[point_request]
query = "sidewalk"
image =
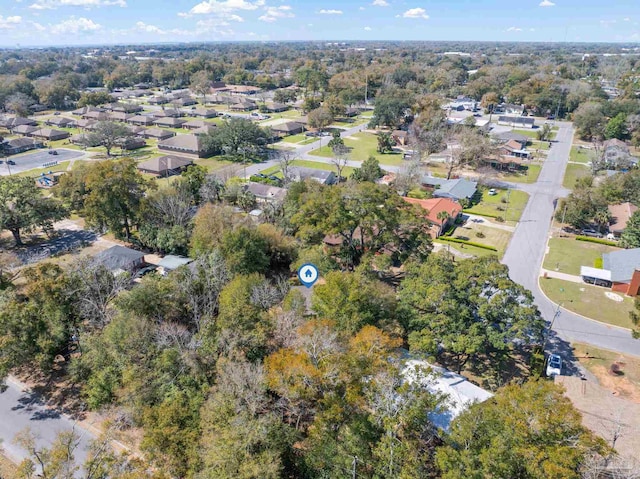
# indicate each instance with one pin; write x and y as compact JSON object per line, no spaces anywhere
{"x":563,"y":276}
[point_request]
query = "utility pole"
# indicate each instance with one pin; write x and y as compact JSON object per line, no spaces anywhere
{"x":353,"y":467}
{"x":366,"y":87}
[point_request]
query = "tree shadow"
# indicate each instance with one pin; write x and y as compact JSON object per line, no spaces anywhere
{"x":65,"y":241}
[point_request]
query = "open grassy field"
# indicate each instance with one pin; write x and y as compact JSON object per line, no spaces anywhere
{"x":573,"y":173}
{"x":529,"y":176}
{"x":566,"y":255}
{"x":589,"y":301}
{"x":493,"y":205}
{"x":534,"y":133}
{"x":362,"y":146}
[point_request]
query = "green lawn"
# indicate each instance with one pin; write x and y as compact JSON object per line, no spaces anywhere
{"x":529,"y":176}
{"x":490,"y":236}
{"x":534,"y":133}
{"x":274,"y":170}
{"x":212,"y":164}
{"x":539,"y":145}
{"x":295,"y":138}
{"x":573,"y":173}
{"x":567,"y":255}
{"x":38,"y":171}
{"x":493,"y":205}
{"x":589,"y":301}
{"x":467,"y":249}
{"x":362,"y":146}
{"x":580,"y":155}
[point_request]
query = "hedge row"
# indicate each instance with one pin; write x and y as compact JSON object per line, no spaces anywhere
{"x":470,"y":243}
{"x":496,"y":217}
{"x":589,"y":239}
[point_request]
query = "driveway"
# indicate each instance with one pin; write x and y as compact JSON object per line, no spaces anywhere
{"x":526,"y":251}
{"x":37,"y":159}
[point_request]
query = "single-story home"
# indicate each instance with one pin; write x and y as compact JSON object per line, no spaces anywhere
{"x":275,"y":107}
{"x":82,"y":123}
{"x":20,"y":145}
{"x":169,"y":122}
{"x":132,"y":143}
{"x":24,"y":130}
{"x":11,"y":123}
{"x":183,"y":101}
{"x":140,"y":120}
{"x":517,"y":121}
{"x":620,"y":271}
{"x":620,"y":215}
{"x":324,"y":177}
{"x":61,"y":122}
{"x":168,"y":113}
{"x":288,"y":128}
{"x":351,"y":112}
{"x":267,"y":193}
{"x":456,"y":189}
{"x":400,"y":137}
{"x":243,"y":89}
{"x":514,"y":148}
{"x":171,"y":262}
{"x":205,"y":130}
{"x":195,"y":124}
{"x":50,"y":134}
{"x":204,"y":113}
{"x":504,"y":162}
{"x":506,"y":136}
{"x":96,"y":115}
{"x":434,"y":208}
{"x":158,"y":100}
{"x":165,"y":165}
{"x":86,"y":109}
{"x":617,"y":155}
{"x":184,"y":145}
{"x":119,"y":258}
{"x":157,"y":134}
{"x":119,"y":116}
{"x":243,"y":106}
{"x":123,"y":107}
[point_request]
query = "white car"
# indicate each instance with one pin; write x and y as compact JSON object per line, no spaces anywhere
{"x":492,"y":192}
{"x":554,"y":365}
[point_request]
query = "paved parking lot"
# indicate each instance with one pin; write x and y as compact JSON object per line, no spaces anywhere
{"x":36,"y":159}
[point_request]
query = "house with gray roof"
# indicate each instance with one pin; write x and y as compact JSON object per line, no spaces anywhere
{"x":20,"y":145}
{"x":204,"y":113}
{"x":456,"y":189}
{"x":266,"y":193}
{"x":140,"y":120}
{"x":119,"y":259}
{"x":185,"y":145}
{"x":165,"y":165}
{"x":172,"y":262}
{"x":169,"y":122}
{"x":24,"y":130}
{"x":157,"y":134}
{"x":620,"y":271}
{"x":321,"y":176}
{"x":50,"y":134}
{"x":517,"y":121}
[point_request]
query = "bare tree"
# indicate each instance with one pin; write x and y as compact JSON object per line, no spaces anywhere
{"x":408,"y":177}
{"x":267,"y":294}
{"x":212,"y":189}
{"x":340,"y":160}
{"x":172,"y":206}
{"x":287,"y":157}
{"x":285,"y":325}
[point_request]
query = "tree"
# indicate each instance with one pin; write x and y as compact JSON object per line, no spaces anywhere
{"x":474,"y":146}
{"x":385,"y":142}
{"x":211,"y":222}
{"x":115,"y":190}
{"x":239,"y":138}
{"x":285,"y":161}
{"x":23,"y":208}
{"x":589,"y":120}
{"x":630,"y":237}
{"x":489,"y":100}
{"x":369,"y":171}
{"x":194,"y":177}
{"x":201,"y":84}
{"x":245,"y":251}
{"x":336,"y":141}
{"x":390,"y":108}
{"x":19,"y":103}
{"x":94,"y":98}
{"x":320,"y":118}
{"x":617,"y":127}
{"x":544,"y":132}
{"x":339,"y":160}
{"x":108,"y":134}
{"x":335,"y":106}
{"x":285,"y":96}
{"x":498,"y":438}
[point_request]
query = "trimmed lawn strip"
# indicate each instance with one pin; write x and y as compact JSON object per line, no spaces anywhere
{"x":566,"y":255}
{"x":580,"y":155}
{"x":489,"y":204}
{"x":274,"y":170}
{"x":589,"y":301}
{"x":467,"y":249}
{"x":599,"y":362}
{"x":38,"y":171}
{"x":574,"y":173}
{"x":362,"y":146}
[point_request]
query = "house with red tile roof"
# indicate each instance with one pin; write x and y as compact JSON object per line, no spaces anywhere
{"x":435,"y":208}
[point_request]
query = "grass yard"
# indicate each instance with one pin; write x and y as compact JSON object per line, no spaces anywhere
{"x":38,"y":171}
{"x":295,"y":138}
{"x":573,"y":173}
{"x":539,"y":145}
{"x":496,"y":237}
{"x":275,"y":170}
{"x":362,"y":146}
{"x":467,"y":249}
{"x":212,"y":164}
{"x":529,"y":176}
{"x":589,"y":301}
{"x":493,"y":205}
{"x":533,"y":133}
{"x":566,"y":255}
{"x":580,"y":155}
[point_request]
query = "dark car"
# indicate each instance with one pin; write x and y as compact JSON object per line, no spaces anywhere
{"x":145,"y":271}
{"x":11,"y":162}
{"x":591,"y":232}
{"x":551,"y":117}
{"x":274,"y":178}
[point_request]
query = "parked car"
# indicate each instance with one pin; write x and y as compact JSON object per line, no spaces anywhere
{"x":145,"y":271}
{"x":11,"y":162}
{"x":591,"y":232}
{"x":554,"y":365}
{"x":53,"y":152}
{"x":493,"y":192}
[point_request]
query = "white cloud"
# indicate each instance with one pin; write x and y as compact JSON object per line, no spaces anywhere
{"x":361,"y":8}
{"x":218,"y":7}
{"x":546,"y":3}
{"x":532,"y":29}
{"x":607,"y":23}
{"x":53,"y":4}
{"x":76,"y":25}
{"x":9,"y":23}
{"x":367,"y":29}
{"x":514,"y":29}
{"x":274,"y":13}
{"x":330,"y":12}
{"x":143,"y":27}
{"x":626,"y":19}
{"x":380,"y":3}
{"x":416,"y":13}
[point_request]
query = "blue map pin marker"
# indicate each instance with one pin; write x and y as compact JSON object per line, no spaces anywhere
{"x":308,"y":274}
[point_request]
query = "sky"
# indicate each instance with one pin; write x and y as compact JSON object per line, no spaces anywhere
{"x":91,"y":22}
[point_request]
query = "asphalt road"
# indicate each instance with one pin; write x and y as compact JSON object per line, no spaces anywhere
{"x":527,"y":249}
{"x":36,"y":159}
{"x":21,"y":409}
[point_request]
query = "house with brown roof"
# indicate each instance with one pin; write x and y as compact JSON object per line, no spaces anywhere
{"x":195,"y":124}
{"x":288,"y":128}
{"x":276,"y":107}
{"x":165,"y":165}
{"x":61,"y":122}
{"x":11,"y":123}
{"x":82,"y":123}
{"x":205,"y":130}
{"x":158,"y":100}
{"x":157,"y":134}
{"x":243,"y":106}
{"x":24,"y":130}
{"x":86,"y":109}
{"x":243,"y":90}
{"x":49,"y":134}
{"x":20,"y":145}
{"x":96,"y":115}
{"x":119,"y":116}
{"x":140,"y":120}
{"x":185,"y":145}
{"x":82,"y":139}
{"x":168,"y":113}
{"x":204,"y":113}
{"x":401,"y":137}
{"x":267,"y":193}
{"x":169,"y":122}
{"x":183,"y":101}
{"x":620,"y":215}
{"x":514,"y":148}
{"x":504,"y":162}
{"x":434,"y":208}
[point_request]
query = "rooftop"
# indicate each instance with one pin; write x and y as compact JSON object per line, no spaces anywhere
{"x":622,"y":264}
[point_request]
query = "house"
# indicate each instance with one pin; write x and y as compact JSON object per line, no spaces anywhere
{"x":243,"y":90}
{"x":119,"y":258}
{"x":351,"y":112}
{"x":158,"y":100}
{"x":86,"y":109}
{"x":132,"y":143}
{"x":620,"y":215}
{"x":321,"y":176}
{"x":436,"y":207}
{"x":504,"y":162}
{"x":511,"y":109}
{"x":506,"y":136}
{"x":204,"y":113}
{"x":514,"y":148}
{"x":185,"y":145}
{"x":401,"y":137}
{"x":20,"y":145}
{"x":172,"y":262}
{"x":11,"y":123}
{"x":82,"y":123}
{"x":169,"y":122}
{"x":123,"y":107}
{"x":266,"y":193}
{"x":140,"y":120}
{"x":516,"y":121}
{"x":24,"y":130}
{"x":205,"y":130}
{"x":456,"y":189}
{"x":157,"y":134}
{"x":168,"y":113}
{"x":119,"y":116}
{"x":61,"y":122}
{"x":195,"y":124}
{"x":243,"y":106}
{"x":275,"y":107}
{"x":620,"y":271}
{"x":183,"y":101}
{"x":288,"y":128}
{"x":50,"y":134}
{"x":96,"y":115}
{"x":137,"y":130}
{"x":616,"y":155}
{"x":165,"y":165}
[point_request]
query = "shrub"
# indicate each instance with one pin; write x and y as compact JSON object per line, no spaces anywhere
{"x":480,"y":234}
{"x":589,"y":239}
{"x":597,"y":263}
{"x":499,"y":219}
